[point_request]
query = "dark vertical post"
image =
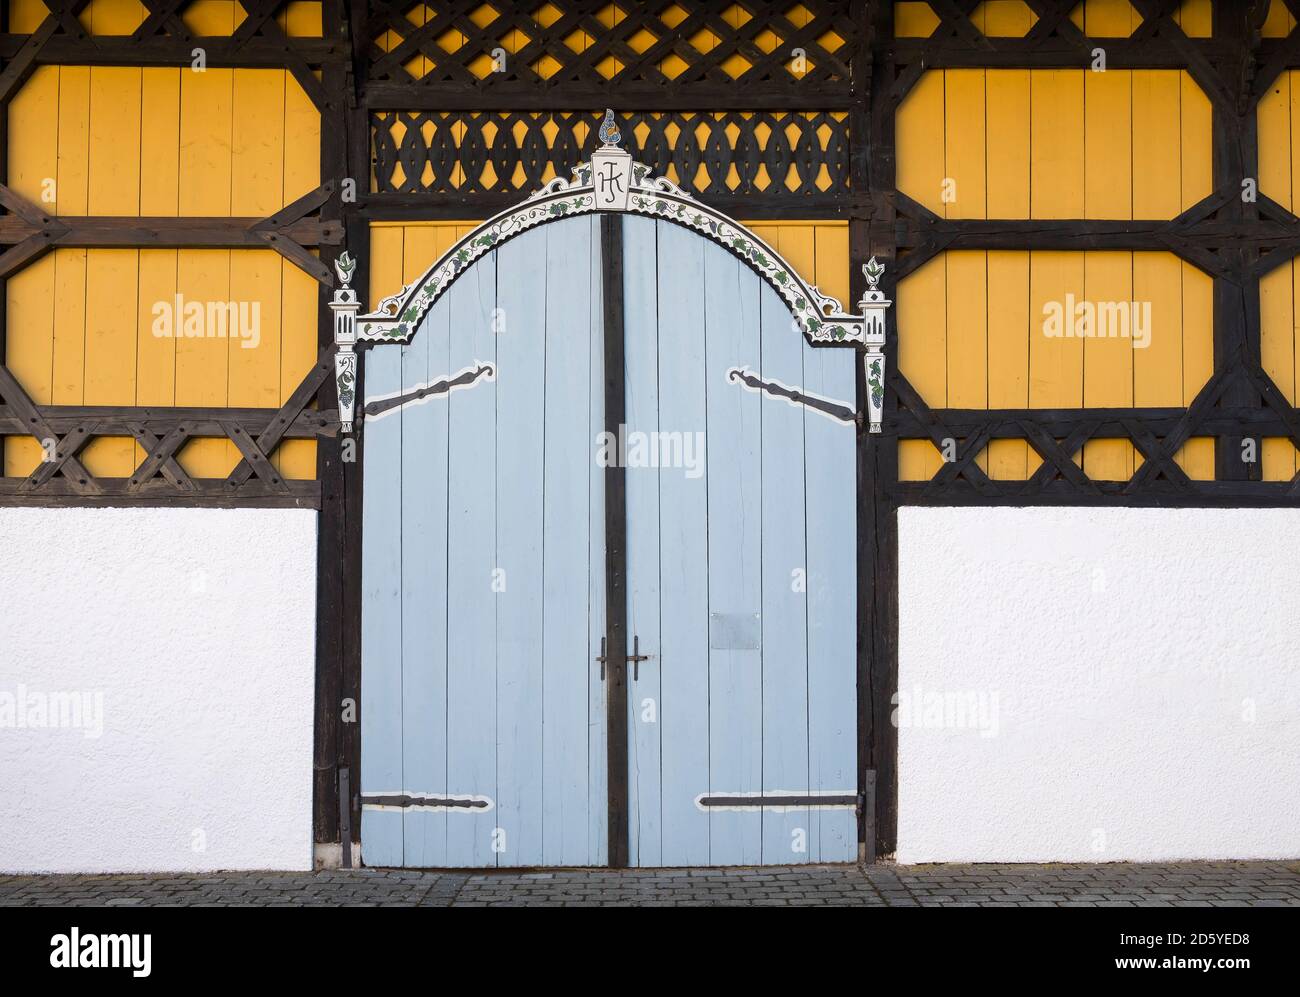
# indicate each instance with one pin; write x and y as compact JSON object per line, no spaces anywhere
{"x":877,"y":453}
{"x":1236,"y":296}
{"x":337,"y":742}
{"x":611,"y":255}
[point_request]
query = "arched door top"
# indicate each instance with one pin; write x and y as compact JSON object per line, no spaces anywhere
{"x":610,"y":181}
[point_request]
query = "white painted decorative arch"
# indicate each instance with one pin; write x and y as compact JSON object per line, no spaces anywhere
{"x":611,"y":181}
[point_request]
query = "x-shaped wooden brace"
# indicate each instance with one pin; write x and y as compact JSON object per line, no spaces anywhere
{"x":963,"y":465}
{"x":255,"y":452}
{"x":160,"y":459}
{"x":60,"y":451}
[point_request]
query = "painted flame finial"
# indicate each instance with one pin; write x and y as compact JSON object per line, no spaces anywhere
{"x":873,"y":271}
{"x":609,"y":133}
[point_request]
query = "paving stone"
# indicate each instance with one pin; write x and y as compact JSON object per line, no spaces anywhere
{"x":1184,"y":885}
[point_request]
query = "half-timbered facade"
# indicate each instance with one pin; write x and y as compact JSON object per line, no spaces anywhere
{"x":675,"y":433}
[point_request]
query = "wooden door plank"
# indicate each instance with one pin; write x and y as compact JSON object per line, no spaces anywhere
{"x":683,"y":554}
{"x":597,"y":705}
{"x":731,"y":332}
{"x":782,"y":563}
{"x":471,"y":547}
{"x":425,"y":578}
{"x":566,"y":668}
{"x":831,"y":602}
{"x":641,"y":356}
{"x":528,"y":375}
{"x":381,"y":615}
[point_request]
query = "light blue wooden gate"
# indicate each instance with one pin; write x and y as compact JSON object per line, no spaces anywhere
{"x":483,"y":570}
{"x":741,"y":572}
{"x":484,"y":567}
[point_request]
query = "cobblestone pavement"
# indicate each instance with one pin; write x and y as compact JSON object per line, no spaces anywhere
{"x":1208,"y":884}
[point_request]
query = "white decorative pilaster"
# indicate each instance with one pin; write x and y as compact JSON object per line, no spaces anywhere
{"x":873,"y":306}
{"x":345,"y":307}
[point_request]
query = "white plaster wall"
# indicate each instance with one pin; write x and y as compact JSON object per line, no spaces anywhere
{"x":197,"y":626}
{"x":1140,"y":675}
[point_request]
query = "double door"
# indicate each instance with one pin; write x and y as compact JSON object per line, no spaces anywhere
{"x":608,"y":411}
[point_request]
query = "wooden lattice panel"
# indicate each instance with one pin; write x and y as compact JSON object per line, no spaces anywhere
{"x":787,"y":153}
{"x":572,"y":41}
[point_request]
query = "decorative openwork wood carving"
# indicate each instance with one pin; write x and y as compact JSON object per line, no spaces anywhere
{"x":787,"y":155}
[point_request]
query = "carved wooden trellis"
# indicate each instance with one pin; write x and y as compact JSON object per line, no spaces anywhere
{"x":794,"y":159}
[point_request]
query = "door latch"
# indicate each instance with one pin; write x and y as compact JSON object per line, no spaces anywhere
{"x":636,"y":657}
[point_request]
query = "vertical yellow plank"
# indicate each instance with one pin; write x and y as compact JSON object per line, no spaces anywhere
{"x":922,"y":357}
{"x":112,"y":277}
{"x":385,"y":260}
{"x":297,"y":458}
{"x":1108,"y":357}
{"x":30,"y":293}
{"x":113,"y":17}
{"x":1195,"y":134}
{"x":113,"y":188}
{"x":69,"y":368}
{"x":964,"y":143}
{"x":1158,"y":368}
{"x":25,"y":16}
{"x":1003,"y":18}
{"x":160,"y":137}
{"x":257,"y":169}
{"x":1056,"y":148}
{"x":1107,"y":18}
{"x":203,"y":280}
{"x":967,"y":322}
{"x":257,"y":142}
{"x":1196,"y":456}
{"x":1274,"y":122}
{"x":1156,"y":168}
{"x":1008,"y":117}
{"x":919,"y":138}
{"x":302,"y":19}
{"x":302,"y":143}
{"x":796,"y":242}
{"x":33,"y":144}
{"x":832,"y":268}
{"x":1007,"y":111}
{"x":30,"y":310}
{"x":155,"y":349}
{"x":74,"y":140}
{"x":1108,"y":173}
{"x":1279,"y":22}
{"x":1196,"y":18}
{"x":1055,"y":362}
{"x":203,"y":276}
{"x":1276,"y":297}
{"x":1008,"y":339}
{"x":1277,"y":355}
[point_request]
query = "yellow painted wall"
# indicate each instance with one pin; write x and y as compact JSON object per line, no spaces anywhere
{"x":1279,"y":289}
{"x":1017,"y":144}
{"x":160,"y":142}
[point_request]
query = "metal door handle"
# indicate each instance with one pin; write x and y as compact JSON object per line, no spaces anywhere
{"x":636,"y":657}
